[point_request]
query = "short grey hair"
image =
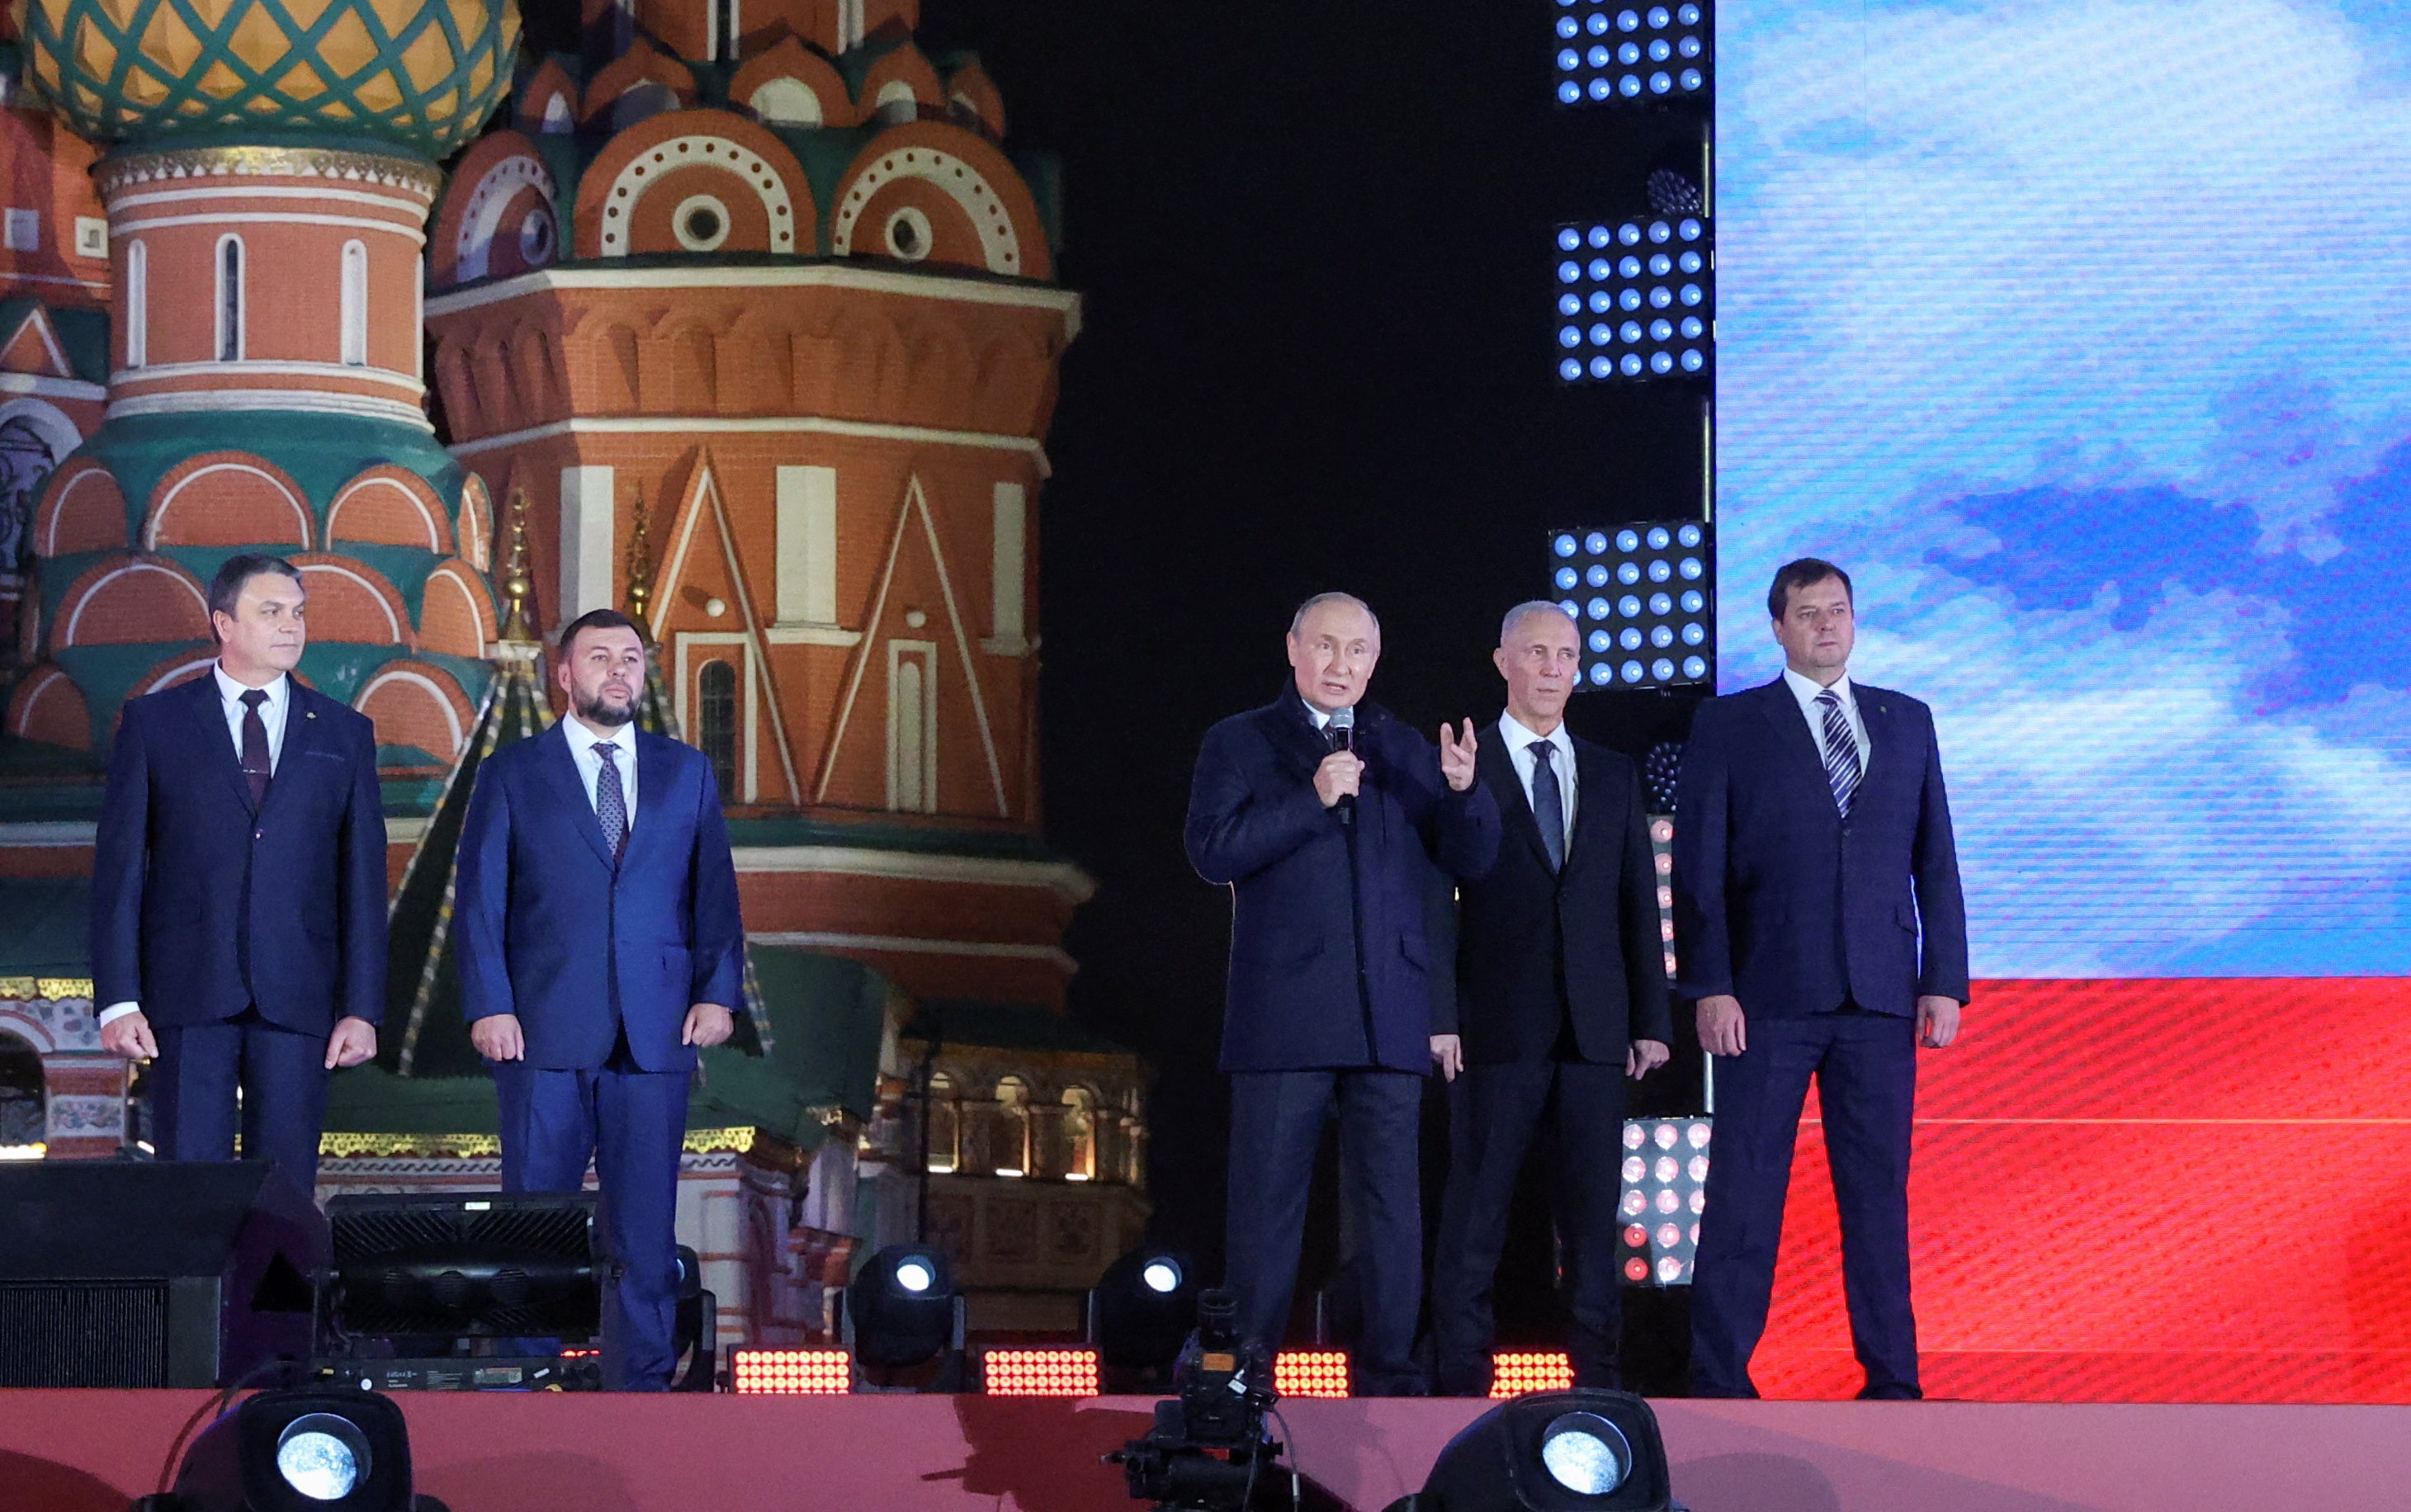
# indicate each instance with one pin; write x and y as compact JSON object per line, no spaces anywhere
{"x":1529,"y":608}
{"x":1320,"y":598}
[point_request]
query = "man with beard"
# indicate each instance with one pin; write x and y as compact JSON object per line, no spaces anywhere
{"x":600,"y":947}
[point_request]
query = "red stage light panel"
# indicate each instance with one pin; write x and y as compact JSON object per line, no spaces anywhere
{"x":811,"y":1373}
{"x":1310,"y":1372}
{"x":1041,"y":1373}
{"x":1513,"y":1372}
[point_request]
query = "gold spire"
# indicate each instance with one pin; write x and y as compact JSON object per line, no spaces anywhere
{"x":516,"y":586}
{"x":640,"y":571}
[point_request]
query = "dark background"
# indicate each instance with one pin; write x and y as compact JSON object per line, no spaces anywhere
{"x":1314,"y":243}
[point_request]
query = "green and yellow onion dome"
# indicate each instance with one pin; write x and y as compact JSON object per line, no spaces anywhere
{"x":421,"y":74}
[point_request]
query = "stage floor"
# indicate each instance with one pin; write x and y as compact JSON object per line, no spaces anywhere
{"x":92,"y":1451}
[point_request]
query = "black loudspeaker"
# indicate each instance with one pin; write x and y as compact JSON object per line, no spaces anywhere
{"x":150,"y":1273}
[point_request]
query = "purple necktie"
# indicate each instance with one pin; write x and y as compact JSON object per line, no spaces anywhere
{"x":255,"y":769}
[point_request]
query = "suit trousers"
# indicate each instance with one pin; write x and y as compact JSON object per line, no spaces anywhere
{"x":281,"y":1076}
{"x":1494,"y":1111}
{"x":631,"y":1124}
{"x":1865,"y":1067}
{"x":1277,"y":1119}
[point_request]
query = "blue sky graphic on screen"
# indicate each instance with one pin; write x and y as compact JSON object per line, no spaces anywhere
{"x":2081,"y":333}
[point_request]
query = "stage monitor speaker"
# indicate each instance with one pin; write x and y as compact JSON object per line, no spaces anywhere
{"x":148,"y":1274}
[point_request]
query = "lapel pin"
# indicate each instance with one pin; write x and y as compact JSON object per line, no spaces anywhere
{"x":309,"y":714}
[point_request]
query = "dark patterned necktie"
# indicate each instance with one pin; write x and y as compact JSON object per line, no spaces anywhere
{"x":1548,"y":801}
{"x":611,"y":801}
{"x":256,"y":767}
{"x":1841,"y":751}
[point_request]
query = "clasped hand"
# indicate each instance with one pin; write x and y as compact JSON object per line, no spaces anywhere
{"x":1725,"y":1031}
{"x":497,"y":1035}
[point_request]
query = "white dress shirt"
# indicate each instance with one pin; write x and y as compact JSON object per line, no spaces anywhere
{"x":271,"y":719}
{"x":582,"y":742}
{"x":1805,"y":691}
{"x":272,"y":713}
{"x":1519,"y":749}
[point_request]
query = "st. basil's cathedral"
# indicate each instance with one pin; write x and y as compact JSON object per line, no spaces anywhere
{"x":741,"y":317}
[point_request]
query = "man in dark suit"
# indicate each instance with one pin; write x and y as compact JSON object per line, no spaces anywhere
{"x":600,"y":945}
{"x":1324,"y":815}
{"x":1812,"y":845}
{"x":1560,"y":995}
{"x":239,"y":888}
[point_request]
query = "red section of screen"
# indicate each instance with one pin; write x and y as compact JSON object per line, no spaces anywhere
{"x":2166,"y":1190}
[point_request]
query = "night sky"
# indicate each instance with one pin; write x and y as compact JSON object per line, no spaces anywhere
{"x":1316,"y":353}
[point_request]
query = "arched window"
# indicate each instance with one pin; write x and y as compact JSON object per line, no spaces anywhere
{"x":230,"y":298}
{"x":1011,"y":1149}
{"x":945,"y":1125}
{"x":355,"y":304}
{"x":1079,"y":1134}
{"x":715,"y":723}
{"x":22,"y":1117}
{"x":137,"y":304}
{"x":896,"y":103}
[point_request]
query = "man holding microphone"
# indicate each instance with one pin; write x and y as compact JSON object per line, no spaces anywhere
{"x":1324,"y":814}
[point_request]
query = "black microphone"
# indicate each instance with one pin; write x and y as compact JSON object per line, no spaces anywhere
{"x":1342,"y":729}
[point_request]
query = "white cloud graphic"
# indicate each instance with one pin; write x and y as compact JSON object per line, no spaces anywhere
{"x":1979,"y":248}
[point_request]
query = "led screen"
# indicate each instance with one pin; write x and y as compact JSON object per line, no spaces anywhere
{"x":2081,"y":334}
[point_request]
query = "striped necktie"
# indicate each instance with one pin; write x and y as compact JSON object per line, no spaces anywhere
{"x":1841,"y":751}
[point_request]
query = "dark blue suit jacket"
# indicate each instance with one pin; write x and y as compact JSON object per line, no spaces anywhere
{"x":548,"y":929}
{"x":1780,"y":902}
{"x":1301,"y":882}
{"x":1538,"y":952}
{"x":202,"y":906}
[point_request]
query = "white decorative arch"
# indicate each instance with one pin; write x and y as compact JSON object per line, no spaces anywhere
{"x":628,"y":189}
{"x":375,"y":590}
{"x":68,"y":634}
{"x":448,"y":573}
{"x":30,"y":1030}
{"x":198,"y":663}
{"x":425,"y":511}
{"x":300,"y":510}
{"x":49,"y":421}
{"x":999,"y":243}
{"x":787,"y":101}
{"x":422,"y":682}
{"x":481,"y":220}
{"x":41,"y":682}
{"x":48,"y":544}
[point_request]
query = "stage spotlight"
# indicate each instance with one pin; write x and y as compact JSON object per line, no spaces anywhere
{"x":814,"y":1373}
{"x":1670,"y":268}
{"x":1142,"y":1309}
{"x":1665,"y":1190}
{"x":902,"y":1310}
{"x":1515,"y":1372}
{"x":1039,"y":1373}
{"x":1611,"y":52}
{"x":1310,"y":1372}
{"x":1660,"y":632}
{"x":1552,"y":1450}
{"x":310,"y":1450}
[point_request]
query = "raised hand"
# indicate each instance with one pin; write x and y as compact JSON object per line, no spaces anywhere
{"x":1457,"y":757}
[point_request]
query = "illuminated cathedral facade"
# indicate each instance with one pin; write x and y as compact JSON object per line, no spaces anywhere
{"x":744,"y":307}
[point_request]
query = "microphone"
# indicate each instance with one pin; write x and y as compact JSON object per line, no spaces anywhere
{"x":1344,"y":731}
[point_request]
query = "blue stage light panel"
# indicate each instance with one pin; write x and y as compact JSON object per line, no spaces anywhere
{"x":1645,"y":596}
{"x":1636,"y":299}
{"x":1615,"y":52}
{"x":1665,"y":1190}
